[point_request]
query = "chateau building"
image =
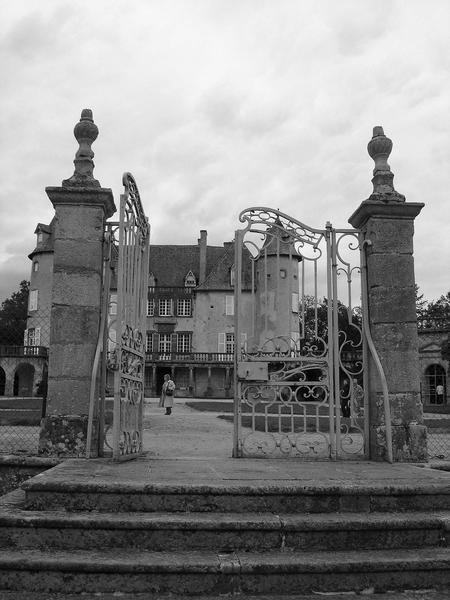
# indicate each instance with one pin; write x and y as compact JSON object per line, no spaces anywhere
{"x":190,"y":320}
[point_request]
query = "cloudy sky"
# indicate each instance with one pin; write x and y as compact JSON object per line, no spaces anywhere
{"x":218,"y":105}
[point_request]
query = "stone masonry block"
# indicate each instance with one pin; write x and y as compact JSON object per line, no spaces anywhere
{"x":68,"y":396}
{"x":409,"y":443}
{"x":390,"y":270}
{"x":400,"y":369}
{"x":79,"y":223}
{"x":71,"y":360}
{"x":74,"y":324}
{"x":406,"y":408}
{"x":76,"y":289}
{"x":390,"y":235}
{"x":392,"y":305}
{"x":401,"y":337}
{"x":71,"y":255}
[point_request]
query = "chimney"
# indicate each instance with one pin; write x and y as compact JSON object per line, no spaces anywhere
{"x":202,"y":245}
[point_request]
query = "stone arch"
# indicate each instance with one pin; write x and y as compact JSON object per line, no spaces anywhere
{"x":2,"y":381}
{"x":434,"y":376}
{"x":24,"y":380}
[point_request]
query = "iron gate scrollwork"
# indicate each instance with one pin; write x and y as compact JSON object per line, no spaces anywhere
{"x":132,"y":283}
{"x":300,"y":348}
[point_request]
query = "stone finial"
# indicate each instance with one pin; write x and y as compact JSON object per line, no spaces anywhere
{"x":379,"y":149}
{"x":85,"y":132}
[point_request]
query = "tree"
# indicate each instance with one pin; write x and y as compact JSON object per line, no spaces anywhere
{"x":13,"y":316}
{"x":421,"y":303}
{"x":349,"y":328}
{"x":436,"y":315}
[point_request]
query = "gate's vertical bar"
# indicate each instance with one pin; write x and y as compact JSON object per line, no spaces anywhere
{"x":365,"y":349}
{"x":239,"y":238}
{"x":145,"y":257}
{"x":331,"y":390}
{"x":103,"y":372}
{"x":337,"y":398}
{"x":120,"y":329}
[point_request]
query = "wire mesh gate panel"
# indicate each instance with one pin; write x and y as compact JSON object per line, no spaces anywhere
{"x":300,"y":350}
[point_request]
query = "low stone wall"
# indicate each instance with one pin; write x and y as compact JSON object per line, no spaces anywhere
{"x":14,"y":470}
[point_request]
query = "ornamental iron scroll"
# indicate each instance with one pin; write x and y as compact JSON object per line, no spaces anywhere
{"x":294,"y":313}
{"x":128,"y":357}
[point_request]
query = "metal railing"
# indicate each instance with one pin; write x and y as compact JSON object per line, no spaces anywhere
{"x":23,"y":351}
{"x":196,"y":357}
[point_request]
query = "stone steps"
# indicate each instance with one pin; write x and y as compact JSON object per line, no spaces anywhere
{"x":422,"y":594}
{"x":104,"y":528}
{"x":45,"y":494}
{"x":217,"y":531}
{"x":215,"y":573}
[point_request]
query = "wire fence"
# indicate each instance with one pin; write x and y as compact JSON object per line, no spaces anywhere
{"x":23,"y":380}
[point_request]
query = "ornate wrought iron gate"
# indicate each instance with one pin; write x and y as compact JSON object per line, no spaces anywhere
{"x":132,"y":284}
{"x":300,"y":348}
{"x":120,"y":356}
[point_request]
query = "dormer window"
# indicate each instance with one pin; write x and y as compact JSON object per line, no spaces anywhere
{"x":189,"y":280}
{"x":151,"y":282}
{"x":40,"y":237}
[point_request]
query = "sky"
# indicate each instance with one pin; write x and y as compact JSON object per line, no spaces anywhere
{"x":219,"y":105}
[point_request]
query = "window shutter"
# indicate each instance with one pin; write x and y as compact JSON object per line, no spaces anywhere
{"x":221,"y":345}
{"x":33,"y":301}
{"x":244,"y":341}
{"x":229,"y":305}
{"x":25,"y":337}
{"x":37,"y":336}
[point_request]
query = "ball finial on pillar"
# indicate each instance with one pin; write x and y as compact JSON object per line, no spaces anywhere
{"x":85,"y":132}
{"x":379,"y":149}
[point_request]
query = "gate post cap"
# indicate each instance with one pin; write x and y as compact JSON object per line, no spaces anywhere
{"x":85,"y":132}
{"x":379,"y":149}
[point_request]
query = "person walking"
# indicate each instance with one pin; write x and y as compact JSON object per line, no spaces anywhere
{"x":167,"y":392}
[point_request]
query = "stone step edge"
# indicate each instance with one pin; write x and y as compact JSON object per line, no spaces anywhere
{"x":416,"y":594}
{"x":12,"y":515}
{"x":237,"y":563}
{"x":39,"y":483}
{"x":325,"y":522}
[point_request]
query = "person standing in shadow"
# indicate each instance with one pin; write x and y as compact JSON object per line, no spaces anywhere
{"x":167,"y":393}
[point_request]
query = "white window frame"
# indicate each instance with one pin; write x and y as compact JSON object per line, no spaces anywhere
{"x":229,"y":305}
{"x":184,"y":307}
{"x":229,"y":343}
{"x":151,"y":307}
{"x":149,"y":342}
{"x":32,"y":336}
{"x":33,"y":300}
{"x":165,"y":343}
{"x":189,"y":280}
{"x":165,"y":307}
{"x":183,"y":342}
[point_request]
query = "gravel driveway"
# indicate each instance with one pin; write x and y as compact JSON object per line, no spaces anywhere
{"x":186,"y":433}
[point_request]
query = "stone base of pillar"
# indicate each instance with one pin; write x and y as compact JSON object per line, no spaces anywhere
{"x":409,"y":443}
{"x":64,"y":436}
{"x":409,"y":435}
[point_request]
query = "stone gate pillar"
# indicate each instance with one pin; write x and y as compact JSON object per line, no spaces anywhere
{"x":81,"y":208}
{"x":387,"y":223}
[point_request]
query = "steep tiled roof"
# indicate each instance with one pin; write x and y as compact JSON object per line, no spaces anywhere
{"x":170,"y":264}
